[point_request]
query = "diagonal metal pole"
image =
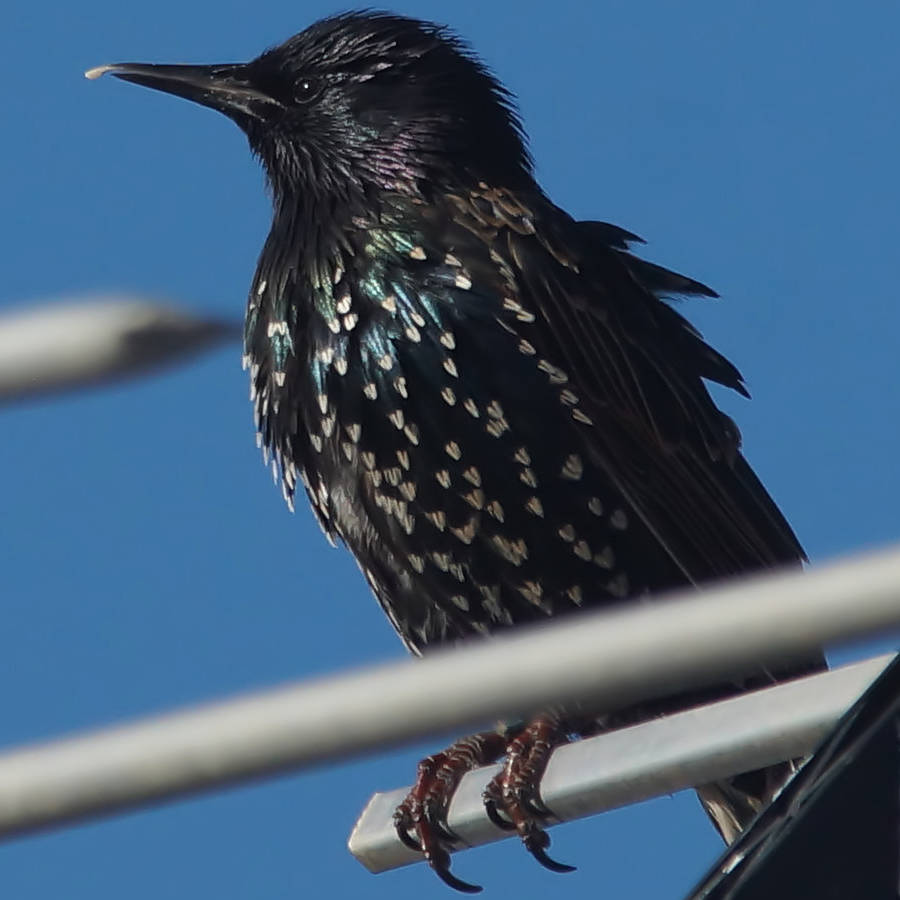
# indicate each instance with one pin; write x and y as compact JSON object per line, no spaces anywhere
{"x":607,"y":659}
{"x":60,"y":346}
{"x":644,"y":761}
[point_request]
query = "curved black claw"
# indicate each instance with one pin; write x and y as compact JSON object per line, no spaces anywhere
{"x":457,"y":883}
{"x":512,"y":799}
{"x":536,"y":807}
{"x":493,"y":813}
{"x":541,"y":856}
{"x":421,"y":819}
{"x":443,"y":831}
{"x":402,"y":825}
{"x":492,"y":798}
{"x":435,"y":816}
{"x":536,"y":841}
{"x":439,"y":860}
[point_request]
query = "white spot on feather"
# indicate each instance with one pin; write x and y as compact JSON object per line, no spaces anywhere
{"x":573,"y":468}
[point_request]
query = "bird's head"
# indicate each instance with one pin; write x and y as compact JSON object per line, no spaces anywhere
{"x":357,"y":100}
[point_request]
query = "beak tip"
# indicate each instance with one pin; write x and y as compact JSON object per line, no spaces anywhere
{"x":97,"y":71}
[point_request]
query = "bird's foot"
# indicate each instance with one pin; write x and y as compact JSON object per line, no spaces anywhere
{"x":512,"y":799}
{"x":421,"y":819}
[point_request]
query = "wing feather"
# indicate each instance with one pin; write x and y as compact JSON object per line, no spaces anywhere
{"x":638,"y":369}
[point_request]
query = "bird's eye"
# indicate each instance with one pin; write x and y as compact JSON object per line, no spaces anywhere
{"x":306,"y":90}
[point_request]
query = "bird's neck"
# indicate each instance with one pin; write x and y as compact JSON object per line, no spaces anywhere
{"x":314,"y":232}
{"x":314,"y":241}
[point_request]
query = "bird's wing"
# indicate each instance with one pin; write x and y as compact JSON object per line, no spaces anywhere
{"x":637,"y":369}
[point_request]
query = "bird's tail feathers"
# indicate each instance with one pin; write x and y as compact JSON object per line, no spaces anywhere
{"x":734,"y":803}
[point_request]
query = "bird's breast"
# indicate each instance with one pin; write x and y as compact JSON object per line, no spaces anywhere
{"x":445,"y":454}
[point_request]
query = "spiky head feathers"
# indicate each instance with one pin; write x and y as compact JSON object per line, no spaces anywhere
{"x":375,"y":96}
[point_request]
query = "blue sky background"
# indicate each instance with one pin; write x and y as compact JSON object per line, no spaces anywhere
{"x":147,"y":560}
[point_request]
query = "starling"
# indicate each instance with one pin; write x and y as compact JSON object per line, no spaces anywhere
{"x":490,"y":403}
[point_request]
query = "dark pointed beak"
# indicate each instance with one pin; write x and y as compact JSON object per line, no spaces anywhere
{"x":225,"y":88}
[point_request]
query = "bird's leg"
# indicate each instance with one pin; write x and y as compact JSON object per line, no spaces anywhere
{"x":512,"y":799}
{"x":421,"y":819}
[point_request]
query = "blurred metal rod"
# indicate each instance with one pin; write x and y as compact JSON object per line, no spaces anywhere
{"x":84,"y":342}
{"x":649,"y":760}
{"x":606,"y":659}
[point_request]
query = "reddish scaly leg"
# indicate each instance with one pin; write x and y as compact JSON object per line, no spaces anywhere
{"x":515,"y":792}
{"x":424,"y":811}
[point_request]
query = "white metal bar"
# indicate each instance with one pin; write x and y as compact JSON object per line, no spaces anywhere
{"x":67,"y":345}
{"x":607,"y":659}
{"x":643,"y":761}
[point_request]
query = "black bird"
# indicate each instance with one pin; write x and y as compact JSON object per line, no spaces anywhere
{"x":489,"y":402}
